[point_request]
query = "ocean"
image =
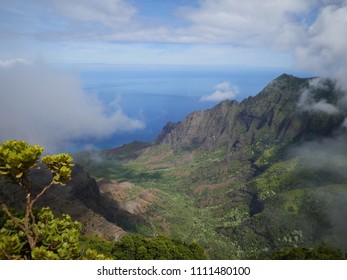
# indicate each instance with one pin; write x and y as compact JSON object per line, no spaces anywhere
{"x":158,"y":94}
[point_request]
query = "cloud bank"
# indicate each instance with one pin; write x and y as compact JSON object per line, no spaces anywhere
{"x":49,"y":108}
{"x":13,"y":62}
{"x":110,"y":13}
{"x":324,"y":48}
{"x":223,"y":91}
{"x":308,"y":31}
{"x":307,"y":103}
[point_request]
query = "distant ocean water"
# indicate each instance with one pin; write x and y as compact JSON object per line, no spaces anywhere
{"x":158,"y":94}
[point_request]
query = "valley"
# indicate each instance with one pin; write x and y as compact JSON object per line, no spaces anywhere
{"x":231,"y":178}
{"x":242,"y":179}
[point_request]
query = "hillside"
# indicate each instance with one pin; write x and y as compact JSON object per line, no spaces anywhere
{"x":80,"y":198}
{"x":242,"y":179}
{"x":273,"y":113}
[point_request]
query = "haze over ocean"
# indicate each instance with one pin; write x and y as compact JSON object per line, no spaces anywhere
{"x":261,"y":39}
{"x":158,"y":94}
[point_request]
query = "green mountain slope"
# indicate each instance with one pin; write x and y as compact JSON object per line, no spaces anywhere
{"x":243,"y":179}
{"x":237,"y":178}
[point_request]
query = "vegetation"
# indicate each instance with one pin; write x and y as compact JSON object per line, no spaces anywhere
{"x":252,"y":191}
{"x":323,"y":252}
{"x":205,"y":198}
{"x":175,"y":213}
{"x":37,"y":234}
{"x":17,"y":158}
{"x":138,"y":247}
{"x":56,"y":239}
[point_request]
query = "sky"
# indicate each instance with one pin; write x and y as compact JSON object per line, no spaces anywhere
{"x":249,"y":32}
{"x":305,"y":35}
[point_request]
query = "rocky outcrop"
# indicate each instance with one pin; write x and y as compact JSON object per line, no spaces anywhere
{"x":271,"y":116}
{"x":80,"y":198}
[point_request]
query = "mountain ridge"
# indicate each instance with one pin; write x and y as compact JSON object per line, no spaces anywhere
{"x":273,"y":112}
{"x":221,"y":177}
{"x":235,"y":163}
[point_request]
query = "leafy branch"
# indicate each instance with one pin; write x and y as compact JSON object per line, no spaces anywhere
{"x":17,"y":159}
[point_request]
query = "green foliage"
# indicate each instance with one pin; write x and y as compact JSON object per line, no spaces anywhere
{"x":162,"y":169}
{"x":236,"y":215}
{"x":60,"y":166}
{"x":323,"y":252}
{"x":137,"y":247}
{"x":97,"y":244}
{"x":260,"y":144}
{"x":321,"y":123}
{"x":270,"y":156}
{"x":277,"y":177}
{"x":195,"y":201}
{"x":58,"y":239}
{"x":17,"y":157}
{"x":36,"y":235}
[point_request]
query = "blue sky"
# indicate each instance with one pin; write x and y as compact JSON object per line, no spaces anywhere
{"x":266,"y":33}
{"x":36,"y":36}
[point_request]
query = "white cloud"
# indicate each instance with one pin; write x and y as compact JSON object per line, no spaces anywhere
{"x":250,"y":23}
{"x":325,"y":49}
{"x":307,"y":103}
{"x":44,"y":107}
{"x":223,"y":91}
{"x":242,"y":23}
{"x":320,"y":106}
{"x":13,"y":62}
{"x":106,"y":12}
{"x":344,"y":124}
{"x":311,"y":31}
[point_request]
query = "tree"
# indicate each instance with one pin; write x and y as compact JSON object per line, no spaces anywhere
{"x":17,"y":159}
{"x":137,"y":247}
{"x":323,"y":252}
{"x":56,"y":238}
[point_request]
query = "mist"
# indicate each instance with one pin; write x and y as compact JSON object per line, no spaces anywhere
{"x":223,"y":91}
{"x":308,"y":103}
{"x":47,"y":107}
{"x":321,"y":47}
{"x":327,"y":154}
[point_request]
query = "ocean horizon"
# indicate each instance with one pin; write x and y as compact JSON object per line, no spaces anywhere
{"x":159,"y":94}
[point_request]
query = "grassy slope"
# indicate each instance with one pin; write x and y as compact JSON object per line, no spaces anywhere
{"x":252,"y":202}
{"x":176,"y":213}
{"x":207,"y":199}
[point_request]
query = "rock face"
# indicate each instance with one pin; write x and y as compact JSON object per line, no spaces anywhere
{"x":80,"y":198}
{"x":272,"y":114}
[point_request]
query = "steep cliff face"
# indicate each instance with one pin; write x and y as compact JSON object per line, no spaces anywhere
{"x":272,"y":114}
{"x":80,"y":198}
{"x":202,"y":128}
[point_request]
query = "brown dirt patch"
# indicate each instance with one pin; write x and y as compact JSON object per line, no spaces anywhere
{"x":118,"y":191}
{"x":127,"y":201}
{"x":139,"y":204}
